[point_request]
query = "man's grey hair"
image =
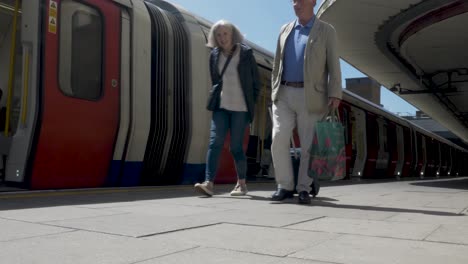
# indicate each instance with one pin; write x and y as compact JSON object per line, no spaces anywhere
{"x":236,"y":35}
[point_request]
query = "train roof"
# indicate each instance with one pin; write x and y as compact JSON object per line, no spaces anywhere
{"x":263,"y":56}
{"x":435,"y":136}
{"x":372,"y":107}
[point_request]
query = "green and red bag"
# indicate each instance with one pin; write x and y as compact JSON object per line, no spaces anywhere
{"x":327,"y":152}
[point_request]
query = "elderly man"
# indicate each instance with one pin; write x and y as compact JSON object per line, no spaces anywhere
{"x":306,"y":82}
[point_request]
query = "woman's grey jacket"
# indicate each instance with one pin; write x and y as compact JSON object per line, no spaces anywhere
{"x":248,"y":74}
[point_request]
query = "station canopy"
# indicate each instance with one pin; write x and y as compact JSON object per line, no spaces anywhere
{"x":417,"y":49}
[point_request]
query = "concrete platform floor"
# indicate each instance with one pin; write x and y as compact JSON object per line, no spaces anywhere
{"x":417,"y":221}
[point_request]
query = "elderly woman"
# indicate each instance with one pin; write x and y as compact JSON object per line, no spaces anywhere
{"x":231,"y":63}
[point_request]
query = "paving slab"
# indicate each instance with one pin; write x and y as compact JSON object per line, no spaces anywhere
{"x":456,"y":201}
{"x":260,"y":218}
{"x":159,"y":209}
{"x":354,"y":249}
{"x":430,"y":218}
{"x":13,"y":230}
{"x":84,"y":248}
{"x":451,"y":233}
{"x":252,"y":239}
{"x":340,"y":211}
{"x":110,"y":205}
{"x":215,"y":256}
{"x":134,"y":225}
{"x":258,"y":203}
{"x":45,"y":214}
{"x":184,"y":201}
{"x":413,"y":209}
{"x":415,"y":231}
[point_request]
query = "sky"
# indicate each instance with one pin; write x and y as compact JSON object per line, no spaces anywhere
{"x":260,"y":22}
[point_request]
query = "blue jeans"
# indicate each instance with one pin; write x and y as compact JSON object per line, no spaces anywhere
{"x":221,"y":122}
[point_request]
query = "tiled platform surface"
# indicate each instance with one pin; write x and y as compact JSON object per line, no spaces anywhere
{"x":417,"y":221}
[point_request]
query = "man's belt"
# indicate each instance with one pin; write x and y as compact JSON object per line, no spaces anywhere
{"x":293,"y":84}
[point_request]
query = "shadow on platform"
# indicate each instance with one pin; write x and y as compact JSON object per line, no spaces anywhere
{"x":53,"y":198}
{"x":454,"y":183}
{"x":328,"y":202}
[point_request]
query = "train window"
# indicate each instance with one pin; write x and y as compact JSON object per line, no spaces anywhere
{"x":81,"y":51}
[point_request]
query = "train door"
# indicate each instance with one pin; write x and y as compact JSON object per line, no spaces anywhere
{"x":464,"y":170}
{"x":359,"y":141}
{"x":400,"y":148}
{"x":429,"y":168}
{"x":409,"y":149}
{"x":372,"y":145}
{"x":450,"y":163}
{"x":80,"y":94}
{"x":423,"y":155}
{"x":417,"y":153}
{"x":382,"y":148}
{"x":435,"y":152}
{"x":392,"y":145}
{"x":440,"y":161}
{"x":463,"y":164}
{"x":347,"y":121}
{"x":444,"y":158}
{"x":455,"y":162}
{"x":19,"y":53}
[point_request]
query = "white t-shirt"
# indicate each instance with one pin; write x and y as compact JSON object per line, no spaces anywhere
{"x":232,"y":96}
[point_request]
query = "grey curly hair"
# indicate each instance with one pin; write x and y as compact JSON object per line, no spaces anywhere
{"x":236,"y":35}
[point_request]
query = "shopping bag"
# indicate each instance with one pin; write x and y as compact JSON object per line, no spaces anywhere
{"x":327,"y":152}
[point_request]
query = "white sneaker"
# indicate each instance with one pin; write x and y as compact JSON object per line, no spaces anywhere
{"x":205,"y":188}
{"x":239,"y":190}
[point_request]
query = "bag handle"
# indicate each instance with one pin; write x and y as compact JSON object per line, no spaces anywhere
{"x":336,"y":114}
{"x":333,"y":115}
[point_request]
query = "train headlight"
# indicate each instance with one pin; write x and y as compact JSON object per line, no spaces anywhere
{"x":422,"y":173}
{"x":448,"y":173}
{"x":438,"y":173}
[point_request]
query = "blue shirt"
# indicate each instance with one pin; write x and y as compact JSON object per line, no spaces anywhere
{"x":293,"y":67}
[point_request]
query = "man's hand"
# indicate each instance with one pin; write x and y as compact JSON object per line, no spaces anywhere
{"x":333,"y":102}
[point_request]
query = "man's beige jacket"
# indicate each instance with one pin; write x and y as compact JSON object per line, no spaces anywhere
{"x":322,"y":73}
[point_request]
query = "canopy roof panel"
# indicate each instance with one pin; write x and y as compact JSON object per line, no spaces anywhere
{"x":415,"y":48}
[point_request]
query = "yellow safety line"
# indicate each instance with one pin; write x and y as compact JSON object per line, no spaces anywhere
{"x":12,"y":68}
{"x":35,"y":194}
{"x":26,"y":89}
{"x":58,"y":193}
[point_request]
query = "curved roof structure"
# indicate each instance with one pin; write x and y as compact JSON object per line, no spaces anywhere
{"x":415,"y":48}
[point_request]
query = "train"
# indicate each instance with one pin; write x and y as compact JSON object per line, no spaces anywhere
{"x":112,"y":93}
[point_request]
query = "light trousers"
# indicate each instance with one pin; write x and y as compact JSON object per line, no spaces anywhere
{"x":290,"y":111}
